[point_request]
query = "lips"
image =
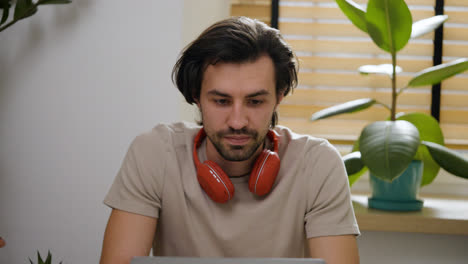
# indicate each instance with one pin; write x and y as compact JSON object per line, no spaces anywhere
{"x":237,"y":140}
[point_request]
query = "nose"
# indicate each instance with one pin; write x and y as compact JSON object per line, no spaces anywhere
{"x":237,"y":118}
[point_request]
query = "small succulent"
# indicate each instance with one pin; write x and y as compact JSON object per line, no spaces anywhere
{"x":40,"y":261}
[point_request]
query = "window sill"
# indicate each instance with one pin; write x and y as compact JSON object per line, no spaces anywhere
{"x":440,"y":215}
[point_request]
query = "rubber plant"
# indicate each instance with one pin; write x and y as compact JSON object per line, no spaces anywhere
{"x":21,"y":10}
{"x":387,"y":147}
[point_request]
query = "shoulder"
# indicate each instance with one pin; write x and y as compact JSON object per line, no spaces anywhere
{"x":305,"y":144}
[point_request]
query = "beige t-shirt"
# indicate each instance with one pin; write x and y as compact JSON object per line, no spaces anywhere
{"x":309,"y":198}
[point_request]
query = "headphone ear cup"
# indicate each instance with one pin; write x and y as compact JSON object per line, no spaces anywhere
{"x":215,"y":182}
{"x":264,"y":172}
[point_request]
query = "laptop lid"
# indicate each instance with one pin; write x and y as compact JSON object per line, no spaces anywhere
{"x":194,"y":260}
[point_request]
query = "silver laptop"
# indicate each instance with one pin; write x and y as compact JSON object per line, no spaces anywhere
{"x":193,"y":260}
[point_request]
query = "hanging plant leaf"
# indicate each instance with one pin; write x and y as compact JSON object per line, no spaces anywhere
{"x":436,"y":74}
{"x":429,"y":130}
{"x":5,"y":6}
{"x":348,"y":107}
{"x":451,"y":161}
{"x":5,"y":14}
{"x":389,"y":24}
{"x":424,"y":26}
{"x":386,"y":69}
{"x":388,"y":147}
{"x":24,"y":8}
{"x":354,"y":12}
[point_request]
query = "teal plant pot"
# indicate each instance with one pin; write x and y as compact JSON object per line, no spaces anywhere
{"x":401,"y":194}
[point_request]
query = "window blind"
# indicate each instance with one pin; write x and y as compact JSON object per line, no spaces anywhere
{"x":330,"y":50}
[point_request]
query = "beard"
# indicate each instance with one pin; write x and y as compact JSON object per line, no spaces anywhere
{"x":237,"y":152}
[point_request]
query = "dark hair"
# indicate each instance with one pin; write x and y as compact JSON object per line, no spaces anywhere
{"x":238,"y":40}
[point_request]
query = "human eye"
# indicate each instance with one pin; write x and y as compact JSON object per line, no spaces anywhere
{"x":255,"y":102}
{"x":221,"y":101}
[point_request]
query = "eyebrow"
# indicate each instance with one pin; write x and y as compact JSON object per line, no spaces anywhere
{"x":218,"y":93}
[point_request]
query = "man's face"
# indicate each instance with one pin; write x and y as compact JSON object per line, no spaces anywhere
{"x":237,"y":102}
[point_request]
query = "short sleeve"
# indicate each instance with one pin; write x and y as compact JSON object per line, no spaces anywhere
{"x":329,"y":207}
{"x":138,"y":185}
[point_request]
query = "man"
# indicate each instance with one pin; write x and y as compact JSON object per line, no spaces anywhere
{"x":237,"y":186}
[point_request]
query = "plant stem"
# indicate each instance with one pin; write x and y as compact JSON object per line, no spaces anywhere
{"x":34,"y":6}
{"x":394,"y":91}
{"x":402,"y":89}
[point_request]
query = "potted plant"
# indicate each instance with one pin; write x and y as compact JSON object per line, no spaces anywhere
{"x":407,"y":150}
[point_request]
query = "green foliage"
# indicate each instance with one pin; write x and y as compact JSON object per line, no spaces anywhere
{"x":424,"y":26}
{"x":22,"y":10}
{"x":41,"y":261}
{"x":448,"y":159}
{"x":353,"y":162}
{"x":354,"y":12}
{"x":389,"y":24}
{"x":354,"y":166}
{"x":386,"y":69}
{"x":348,"y":107}
{"x":429,"y":130}
{"x":387,"y":147}
{"x":436,"y":74}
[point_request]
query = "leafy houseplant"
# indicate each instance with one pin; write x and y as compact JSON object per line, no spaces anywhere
{"x":22,"y":9}
{"x":388,"y":148}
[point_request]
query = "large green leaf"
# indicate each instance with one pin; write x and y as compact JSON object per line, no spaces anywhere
{"x":427,"y":25}
{"x":348,"y":107}
{"x":448,"y":159}
{"x":436,"y":74}
{"x":354,"y":166}
{"x":24,"y":8}
{"x":353,"y":162}
{"x":388,"y":147}
{"x":354,"y":12}
{"x":429,"y":130}
{"x":354,"y":177}
{"x":389,"y":24}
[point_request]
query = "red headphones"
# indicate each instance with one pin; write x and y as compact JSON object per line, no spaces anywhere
{"x":216,"y":183}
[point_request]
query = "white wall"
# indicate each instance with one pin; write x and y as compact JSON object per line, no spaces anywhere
{"x":198,"y":15}
{"x":77,"y":83}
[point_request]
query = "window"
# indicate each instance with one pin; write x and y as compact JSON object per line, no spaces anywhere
{"x":330,"y":50}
